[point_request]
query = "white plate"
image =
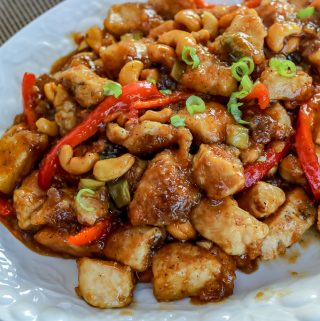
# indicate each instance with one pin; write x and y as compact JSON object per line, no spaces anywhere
{"x":38,"y":288}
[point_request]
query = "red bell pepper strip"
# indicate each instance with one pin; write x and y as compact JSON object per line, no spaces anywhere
{"x":5,"y":207}
{"x":28,"y":83}
{"x":306,"y":150}
{"x":201,"y":4}
{"x":85,"y":130}
{"x":258,"y":170}
{"x":160,"y":102}
{"x":260,"y":92}
{"x":252,"y":3}
{"x":89,"y":234}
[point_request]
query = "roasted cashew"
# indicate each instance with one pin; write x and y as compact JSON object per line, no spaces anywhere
{"x":278,"y":32}
{"x":168,"y":25}
{"x":188,"y":18}
{"x":47,"y":127}
{"x":162,"y":54}
{"x":178,"y":39}
{"x":162,"y":116}
{"x":76,"y":165}
{"x":150,"y":73}
{"x":130,"y":72}
{"x":50,"y":91}
{"x":182,"y":231}
{"x":210,"y":23}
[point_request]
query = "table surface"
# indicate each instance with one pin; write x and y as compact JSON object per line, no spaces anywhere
{"x":15,"y":14}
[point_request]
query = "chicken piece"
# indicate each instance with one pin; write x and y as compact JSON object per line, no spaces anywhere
{"x":218,"y":171}
{"x":210,"y":126}
{"x":27,"y":199}
{"x":57,"y":241}
{"x":149,"y":137}
{"x":184,"y":270}
{"x":298,"y":88}
{"x":252,"y":153}
{"x":165,"y":193}
{"x":105,"y":284}
{"x":133,"y":246}
{"x":262,"y":199}
{"x":115,"y":56}
{"x":229,"y":226}
{"x":288,"y":224}
{"x":66,"y":111}
{"x":135,"y":173}
{"x":57,"y":210}
{"x":129,"y":17}
{"x":211,"y":77}
{"x":168,"y":8}
{"x":244,"y":37}
{"x":98,"y":202}
{"x":86,"y":85}
{"x":290,"y":170}
{"x":20,"y":149}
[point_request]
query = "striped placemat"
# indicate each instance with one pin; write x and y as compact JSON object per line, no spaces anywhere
{"x":15,"y":14}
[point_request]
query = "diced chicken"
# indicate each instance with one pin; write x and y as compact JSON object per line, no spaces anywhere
{"x":298,"y":88}
{"x":117,"y":55}
{"x":98,"y":202}
{"x":129,"y":17}
{"x":133,"y":246}
{"x":169,"y":8}
{"x":262,"y":199}
{"x":244,"y":37}
{"x":66,"y":111}
{"x":86,"y":85}
{"x":184,"y":270}
{"x":105,"y":284}
{"x":288,"y":224}
{"x":211,"y":77}
{"x":56,"y":240}
{"x":229,"y":226}
{"x":19,"y":151}
{"x":135,"y":173}
{"x":210,"y":126}
{"x":165,"y":193}
{"x":149,"y":137}
{"x":290,"y":170}
{"x":218,"y":170}
{"x":27,"y":199}
{"x":57,"y":210}
{"x":252,"y":153}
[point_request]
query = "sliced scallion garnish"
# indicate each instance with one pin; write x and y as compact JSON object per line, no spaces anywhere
{"x":285,"y":68}
{"x":306,"y":12}
{"x":153,"y":81}
{"x":166,"y":92}
{"x":79,"y":199}
{"x":190,"y":52}
{"x":246,"y":84}
{"x":177,"y":121}
{"x":195,"y":104}
{"x":112,"y":88}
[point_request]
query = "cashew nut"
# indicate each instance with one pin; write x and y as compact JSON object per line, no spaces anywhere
{"x":76,"y":165}
{"x":182,"y":231}
{"x":168,"y":25}
{"x":130,"y":72}
{"x":210,"y":23}
{"x":47,"y":127}
{"x":188,"y":18}
{"x":162,"y":54}
{"x":178,"y":39}
{"x":278,"y":32}
{"x":112,"y":168}
{"x":50,"y":90}
{"x":162,"y":116}
{"x":94,"y":38}
{"x":201,"y":36}
{"x":116,"y":133}
{"x":150,"y":73}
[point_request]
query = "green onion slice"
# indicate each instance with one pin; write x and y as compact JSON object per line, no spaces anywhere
{"x":166,"y":92}
{"x":79,"y":200}
{"x":239,"y":69}
{"x":195,"y":104}
{"x":177,"y":121}
{"x":306,"y":12}
{"x":153,"y":81}
{"x":190,"y":52}
{"x":112,"y":88}
{"x":246,"y":84}
{"x":285,"y":68}
{"x":249,"y":62}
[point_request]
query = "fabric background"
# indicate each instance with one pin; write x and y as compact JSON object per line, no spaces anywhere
{"x":15,"y":14}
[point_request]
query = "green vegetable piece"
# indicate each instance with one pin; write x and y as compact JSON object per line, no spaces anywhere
{"x":190,"y":52}
{"x":195,"y":104}
{"x":120,"y":193}
{"x":91,"y":184}
{"x":79,"y":200}
{"x":285,"y":68}
{"x":112,"y":88}
{"x":306,"y":12}
{"x":166,"y":92}
{"x":153,"y":81}
{"x":177,"y":121}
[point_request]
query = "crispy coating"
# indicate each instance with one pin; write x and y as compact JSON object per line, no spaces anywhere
{"x":165,"y":193}
{"x":182,"y":269}
{"x":105,"y":284}
{"x":133,"y":246}
{"x":229,"y":226}
{"x":288,"y":224}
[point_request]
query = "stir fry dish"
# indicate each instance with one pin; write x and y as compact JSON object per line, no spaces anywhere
{"x":178,"y":143}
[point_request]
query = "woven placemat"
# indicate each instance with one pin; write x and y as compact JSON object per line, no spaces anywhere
{"x":15,"y":14}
